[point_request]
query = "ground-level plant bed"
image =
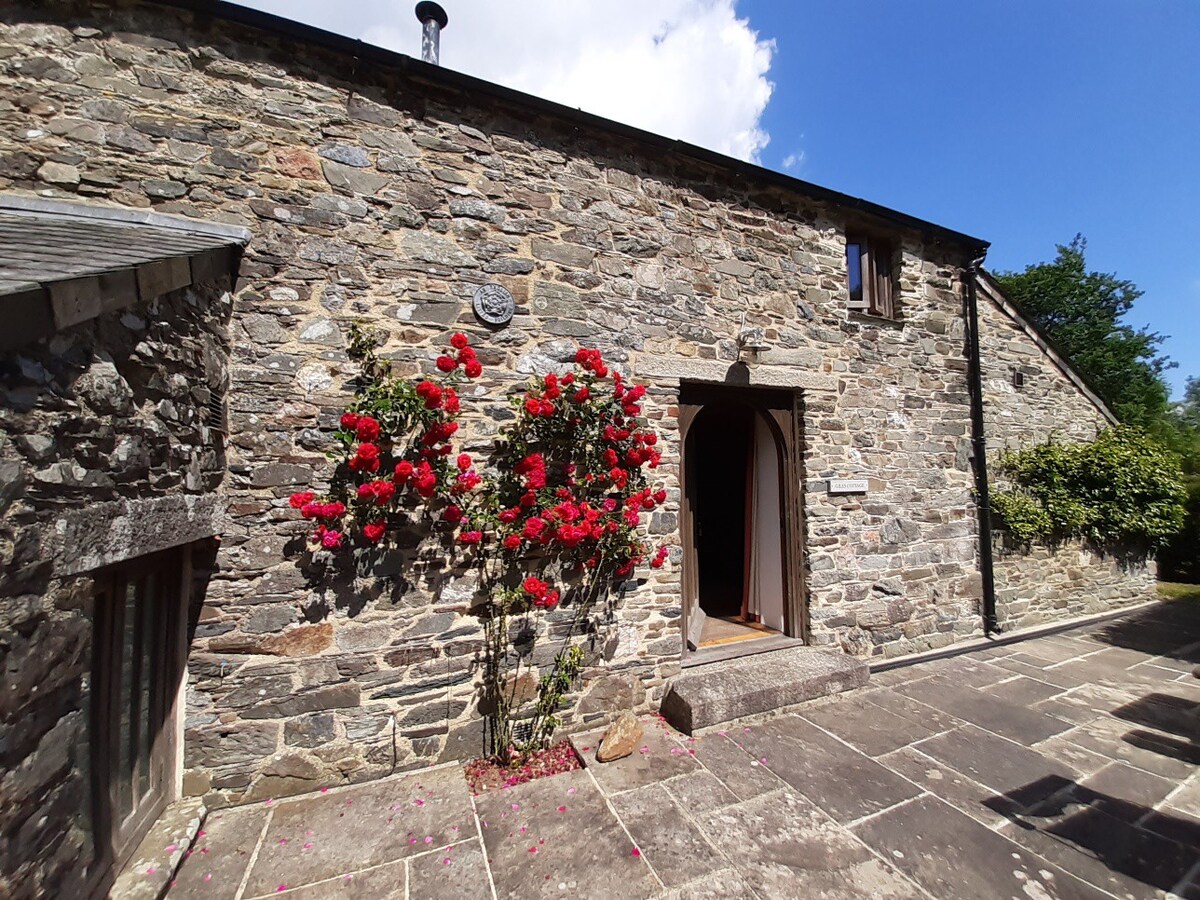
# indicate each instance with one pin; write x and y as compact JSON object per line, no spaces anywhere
{"x":491,"y":773}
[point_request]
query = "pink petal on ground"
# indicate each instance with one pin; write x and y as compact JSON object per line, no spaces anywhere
{"x":533,"y":849}
{"x":446,"y":861}
{"x":763,"y":760}
{"x":324,"y":790}
{"x":282,"y":841}
{"x":523,"y":829}
{"x":722,"y":733}
{"x":171,"y":848}
{"x":308,"y":845}
{"x":428,"y":839}
{"x":516,"y":806}
{"x":150,"y":870}
{"x":348,"y":877}
{"x":267,"y":802}
{"x":200,"y":834}
{"x":419,"y":802}
{"x":208,"y":876}
{"x":562,"y":809}
{"x":635,"y":852}
{"x":571,"y":790}
{"x":204,"y":850}
{"x":281,"y":889}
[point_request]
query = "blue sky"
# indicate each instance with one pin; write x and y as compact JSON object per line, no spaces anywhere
{"x":1019,"y":121}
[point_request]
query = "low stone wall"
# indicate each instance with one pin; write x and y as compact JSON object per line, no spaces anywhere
{"x":103,"y":450}
{"x":1039,"y":584}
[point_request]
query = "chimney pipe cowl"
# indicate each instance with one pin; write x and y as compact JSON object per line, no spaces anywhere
{"x":433,"y":19}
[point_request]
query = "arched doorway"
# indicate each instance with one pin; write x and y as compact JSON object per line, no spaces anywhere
{"x":741,"y":524}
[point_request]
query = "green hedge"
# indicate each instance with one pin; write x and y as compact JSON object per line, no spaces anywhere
{"x":1122,"y":492}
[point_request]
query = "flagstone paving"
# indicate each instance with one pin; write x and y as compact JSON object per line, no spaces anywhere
{"x":1065,"y":766}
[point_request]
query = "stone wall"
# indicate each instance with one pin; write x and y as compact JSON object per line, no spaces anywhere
{"x":104,"y":455}
{"x":388,"y":199}
{"x":1041,"y":584}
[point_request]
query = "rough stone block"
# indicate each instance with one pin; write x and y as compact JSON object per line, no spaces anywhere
{"x":721,"y":692}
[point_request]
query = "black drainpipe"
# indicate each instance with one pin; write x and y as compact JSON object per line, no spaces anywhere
{"x":979,"y":452}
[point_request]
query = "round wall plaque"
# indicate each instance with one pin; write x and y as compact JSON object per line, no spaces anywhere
{"x":494,"y":304}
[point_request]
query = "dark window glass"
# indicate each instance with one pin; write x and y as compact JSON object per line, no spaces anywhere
{"x":854,"y":267}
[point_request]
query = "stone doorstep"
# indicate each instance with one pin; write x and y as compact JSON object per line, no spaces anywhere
{"x":152,"y":867}
{"x":704,"y":696}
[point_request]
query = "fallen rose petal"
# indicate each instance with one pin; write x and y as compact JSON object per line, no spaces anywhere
{"x":562,"y":809}
{"x":208,"y":876}
{"x":635,"y":852}
{"x":171,"y":848}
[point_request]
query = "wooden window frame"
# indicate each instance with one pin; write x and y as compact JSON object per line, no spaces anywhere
{"x":161,"y":582}
{"x":877,"y":272}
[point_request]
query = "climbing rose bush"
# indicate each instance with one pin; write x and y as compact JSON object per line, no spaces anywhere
{"x":551,"y":520}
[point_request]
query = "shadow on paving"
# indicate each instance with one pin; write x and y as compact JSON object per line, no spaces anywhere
{"x":1110,"y":842}
{"x":1168,"y":629}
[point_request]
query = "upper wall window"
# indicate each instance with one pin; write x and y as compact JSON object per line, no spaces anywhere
{"x":870,"y":275}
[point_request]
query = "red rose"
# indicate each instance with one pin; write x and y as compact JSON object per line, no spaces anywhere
{"x":532,"y":405}
{"x":466,"y":354}
{"x":427,"y":485}
{"x":535,"y":587}
{"x":512,"y":542}
{"x":349,"y":420}
{"x":581,"y":395}
{"x":528,"y":500}
{"x":582,"y":356}
{"x":332,"y":510}
{"x":366,"y":491}
{"x":533,"y":527}
{"x":473,"y":368}
{"x":298,"y":501}
{"x":373,"y":531}
{"x":367,"y":429}
{"x":331,"y":540}
{"x":451,"y":405}
{"x":470,"y":537}
{"x":404,"y":470}
{"x":446,"y":364}
{"x":458,"y":340}
{"x":660,"y":496}
{"x":384,"y":492}
{"x":311,"y":510}
{"x":508,"y":516}
{"x":452,"y":514}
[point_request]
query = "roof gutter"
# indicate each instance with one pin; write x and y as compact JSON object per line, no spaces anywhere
{"x":979,"y":451}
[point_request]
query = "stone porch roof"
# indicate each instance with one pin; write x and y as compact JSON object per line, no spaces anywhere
{"x":64,"y":263}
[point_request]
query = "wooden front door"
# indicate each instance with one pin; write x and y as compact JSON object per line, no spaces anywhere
{"x":782,"y":411}
{"x":139,"y":640}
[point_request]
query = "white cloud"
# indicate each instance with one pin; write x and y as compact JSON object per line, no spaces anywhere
{"x":793,"y":161}
{"x":687,"y":69}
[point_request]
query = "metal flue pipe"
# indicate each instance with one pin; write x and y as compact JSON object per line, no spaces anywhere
{"x":433,"y":19}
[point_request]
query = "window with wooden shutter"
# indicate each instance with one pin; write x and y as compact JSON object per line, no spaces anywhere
{"x":870,"y":277}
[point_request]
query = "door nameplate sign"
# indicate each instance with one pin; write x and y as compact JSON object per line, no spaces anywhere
{"x":848,"y":485}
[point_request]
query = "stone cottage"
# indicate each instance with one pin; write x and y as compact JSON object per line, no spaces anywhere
{"x":197,"y":200}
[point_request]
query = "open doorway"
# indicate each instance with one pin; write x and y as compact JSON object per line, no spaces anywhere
{"x":737,"y":465}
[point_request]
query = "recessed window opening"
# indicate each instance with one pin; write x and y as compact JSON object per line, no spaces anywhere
{"x":870,"y":276}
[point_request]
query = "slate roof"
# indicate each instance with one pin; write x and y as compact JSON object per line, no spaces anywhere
{"x":65,"y":263}
{"x":44,"y":241}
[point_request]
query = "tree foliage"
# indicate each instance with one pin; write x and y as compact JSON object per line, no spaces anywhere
{"x":1082,"y":313}
{"x":1122,"y":492}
